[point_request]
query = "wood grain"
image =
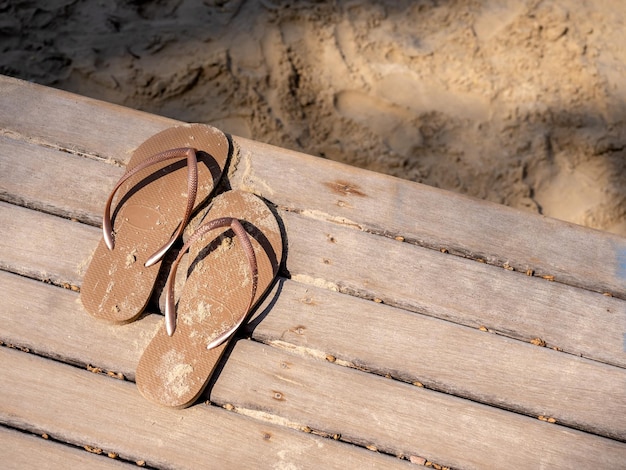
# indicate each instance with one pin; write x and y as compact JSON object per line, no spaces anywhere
{"x":56,"y":182}
{"x":88,"y":409}
{"x":20,"y":450}
{"x":287,"y":387}
{"x":318,"y":323}
{"x":400,"y":418}
{"x":44,"y":247}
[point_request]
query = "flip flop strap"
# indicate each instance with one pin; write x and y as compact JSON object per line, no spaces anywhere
{"x":244,"y":237}
{"x":192,"y":189}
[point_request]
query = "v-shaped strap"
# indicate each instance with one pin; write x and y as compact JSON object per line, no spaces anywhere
{"x":244,"y":238}
{"x":192,"y":189}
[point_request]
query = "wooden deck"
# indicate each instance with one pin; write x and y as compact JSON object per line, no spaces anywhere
{"x":409,"y":326}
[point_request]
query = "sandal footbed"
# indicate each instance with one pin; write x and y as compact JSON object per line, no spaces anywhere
{"x":149,"y":207}
{"x":174,"y":371}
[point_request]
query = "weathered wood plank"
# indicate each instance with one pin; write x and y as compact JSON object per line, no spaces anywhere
{"x":64,"y":120}
{"x":373,"y":202}
{"x":88,"y":409}
{"x":19,"y":451}
{"x":444,"y":356}
{"x":51,"y":322}
{"x":400,"y":418}
{"x":434,"y":218}
{"x":278,"y":385}
{"x":474,"y":294}
{"x":44,"y":247}
{"x":317,"y":322}
{"x":67,"y":185}
{"x":456,"y":289}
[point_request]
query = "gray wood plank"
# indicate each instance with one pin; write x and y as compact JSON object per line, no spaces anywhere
{"x":360,"y":334}
{"x":48,"y":117}
{"x":44,"y":247}
{"x":339,"y":258}
{"x":324,"y":189}
{"x":88,"y":409}
{"x":19,"y":451}
{"x":434,"y":218}
{"x":56,"y":182}
{"x":50,"y":321}
{"x":444,"y":356}
{"x":400,"y":418}
{"x":286,"y":387}
{"x":474,"y":294}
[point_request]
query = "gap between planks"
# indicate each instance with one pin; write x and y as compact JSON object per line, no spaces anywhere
{"x":22,"y":450}
{"x":98,"y":236}
{"x":448,"y":430}
{"x":84,"y":409}
{"x":317,"y":323}
{"x":577,"y":321}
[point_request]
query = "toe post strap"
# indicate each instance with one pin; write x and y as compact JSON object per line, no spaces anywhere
{"x":244,"y":238}
{"x":192,"y":190}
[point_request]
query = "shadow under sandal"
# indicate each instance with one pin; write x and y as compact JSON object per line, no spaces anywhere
{"x":167,"y":178}
{"x":233,"y":259}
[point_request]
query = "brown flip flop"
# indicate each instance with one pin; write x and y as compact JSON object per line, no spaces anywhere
{"x":234,"y":256}
{"x":168,"y":177}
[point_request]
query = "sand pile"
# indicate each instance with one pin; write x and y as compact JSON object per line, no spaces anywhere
{"x":518,"y":102}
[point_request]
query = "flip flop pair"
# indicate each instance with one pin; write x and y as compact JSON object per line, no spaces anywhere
{"x":233,"y":256}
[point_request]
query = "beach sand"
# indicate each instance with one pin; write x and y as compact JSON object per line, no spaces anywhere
{"x":518,"y":102}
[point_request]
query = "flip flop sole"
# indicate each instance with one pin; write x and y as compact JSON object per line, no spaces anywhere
{"x":151,"y":204}
{"x":174,"y":370}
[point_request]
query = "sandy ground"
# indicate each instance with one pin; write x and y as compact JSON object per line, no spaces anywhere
{"x":521,"y":102}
